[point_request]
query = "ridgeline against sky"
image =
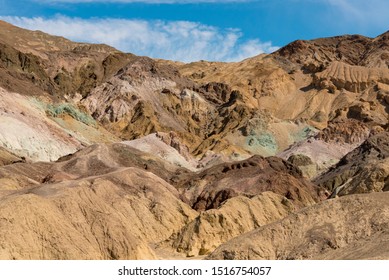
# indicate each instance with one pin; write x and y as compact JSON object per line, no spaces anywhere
{"x":191,"y":30}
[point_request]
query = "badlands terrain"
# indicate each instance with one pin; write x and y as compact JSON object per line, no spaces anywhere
{"x":108,"y":155}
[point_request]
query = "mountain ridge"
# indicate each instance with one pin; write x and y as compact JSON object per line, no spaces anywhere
{"x":190,"y":158}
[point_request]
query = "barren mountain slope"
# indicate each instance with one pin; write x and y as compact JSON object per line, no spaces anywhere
{"x":350,"y":49}
{"x":95,"y":160}
{"x":36,"y":42}
{"x":327,"y":80}
{"x":113,"y":216}
{"x":7,"y":158}
{"x":236,"y":109}
{"x":350,"y":227}
{"x":32,"y":62}
{"x":209,"y":188}
{"x":35,"y":130}
{"x":319,"y":152}
{"x":236,"y":197}
{"x":131,"y":96}
{"x":107,"y":155}
{"x":236,"y":216}
{"x":104,"y":199}
{"x":365,"y":169}
{"x":95,"y":193}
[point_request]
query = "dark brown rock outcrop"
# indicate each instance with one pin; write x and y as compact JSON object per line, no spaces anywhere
{"x":211,"y":187}
{"x":365,"y":169}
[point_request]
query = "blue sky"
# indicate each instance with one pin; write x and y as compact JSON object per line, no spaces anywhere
{"x":190,"y":30}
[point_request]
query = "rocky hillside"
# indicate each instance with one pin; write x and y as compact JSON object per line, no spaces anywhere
{"x":364,"y":169}
{"x":108,"y":155}
{"x":320,"y":232}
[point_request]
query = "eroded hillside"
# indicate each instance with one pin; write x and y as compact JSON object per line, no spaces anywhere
{"x":108,"y":155}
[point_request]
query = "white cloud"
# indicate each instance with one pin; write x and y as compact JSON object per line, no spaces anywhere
{"x":176,"y":40}
{"x":362,"y":13}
